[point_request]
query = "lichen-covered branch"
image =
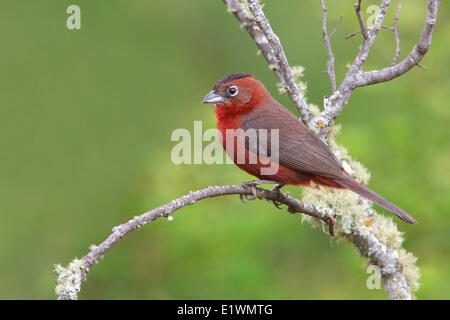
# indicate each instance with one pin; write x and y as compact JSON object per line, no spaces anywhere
{"x":376,"y":236}
{"x":71,"y":277}
{"x":391,"y":263}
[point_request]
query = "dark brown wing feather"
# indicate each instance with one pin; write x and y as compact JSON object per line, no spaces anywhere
{"x":299,"y":148}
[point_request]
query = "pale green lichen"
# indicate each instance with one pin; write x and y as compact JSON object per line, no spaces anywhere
{"x":386,"y":231}
{"x":281,"y":87}
{"x":314,"y":109}
{"x":315,"y":112}
{"x":343,"y":204}
{"x":68,"y":279}
{"x":335,"y":95}
{"x":231,"y":9}
{"x":246,"y":9}
{"x":297,"y":73}
{"x":407,"y":262}
{"x":354,"y":214}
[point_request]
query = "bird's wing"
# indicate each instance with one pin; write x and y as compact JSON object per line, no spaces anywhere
{"x":298,"y":148}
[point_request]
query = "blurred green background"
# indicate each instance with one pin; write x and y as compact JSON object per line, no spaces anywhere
{"x":85,"y":123}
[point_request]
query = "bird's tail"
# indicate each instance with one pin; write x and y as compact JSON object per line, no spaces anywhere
{"x":369,"y":194}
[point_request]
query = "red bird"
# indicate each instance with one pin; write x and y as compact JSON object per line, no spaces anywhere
{"x":242,"y":102}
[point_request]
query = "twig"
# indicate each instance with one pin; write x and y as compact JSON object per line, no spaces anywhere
{"x":70,"y":288}
{"x":397,"y":37}
{"x":326,"y":39}
{"x":364,"y":31}
{"x":388,"y":28}
{"x":421,"y":66}
{"x":352,"y":34}
{"x":337,"y":26}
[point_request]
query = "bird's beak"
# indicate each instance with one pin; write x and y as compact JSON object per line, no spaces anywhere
{"x":212,"y":97}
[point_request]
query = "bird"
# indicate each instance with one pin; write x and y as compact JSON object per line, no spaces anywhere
{"x":242,"y":102}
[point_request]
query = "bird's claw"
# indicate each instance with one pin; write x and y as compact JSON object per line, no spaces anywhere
{"x":329,"y":220}
{"x":277,"y":204}
{"x":252,"y":186}
{"x":281,"y":195}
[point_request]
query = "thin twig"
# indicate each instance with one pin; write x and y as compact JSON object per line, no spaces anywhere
{"x":421,"y":66}
{"x":387,"y":28}
{"x":397,"y":37}
{"x":364,"y":31}
{"x":326,"y":39}
{"x":352,"y":34}
{"x":337,"y":26}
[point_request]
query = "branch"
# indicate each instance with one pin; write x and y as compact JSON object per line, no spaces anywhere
{"x":257,"y":25}
{"x":387,"y":260}
{"x":71,"y":278}
{"x":416,"y":55}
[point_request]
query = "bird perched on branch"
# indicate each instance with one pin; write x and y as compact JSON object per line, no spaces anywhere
{"x":243,"y":103}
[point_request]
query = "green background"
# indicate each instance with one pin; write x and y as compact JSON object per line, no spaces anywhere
{"x":86,"y":118}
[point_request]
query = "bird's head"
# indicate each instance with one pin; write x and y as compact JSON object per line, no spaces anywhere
{"x":237,"y":92}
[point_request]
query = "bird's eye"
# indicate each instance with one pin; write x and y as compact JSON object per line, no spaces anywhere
{"x":232,"y":91}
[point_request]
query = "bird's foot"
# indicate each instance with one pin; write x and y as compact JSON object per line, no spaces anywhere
{"x":252,"y":185}
{"x":281,"y":195}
